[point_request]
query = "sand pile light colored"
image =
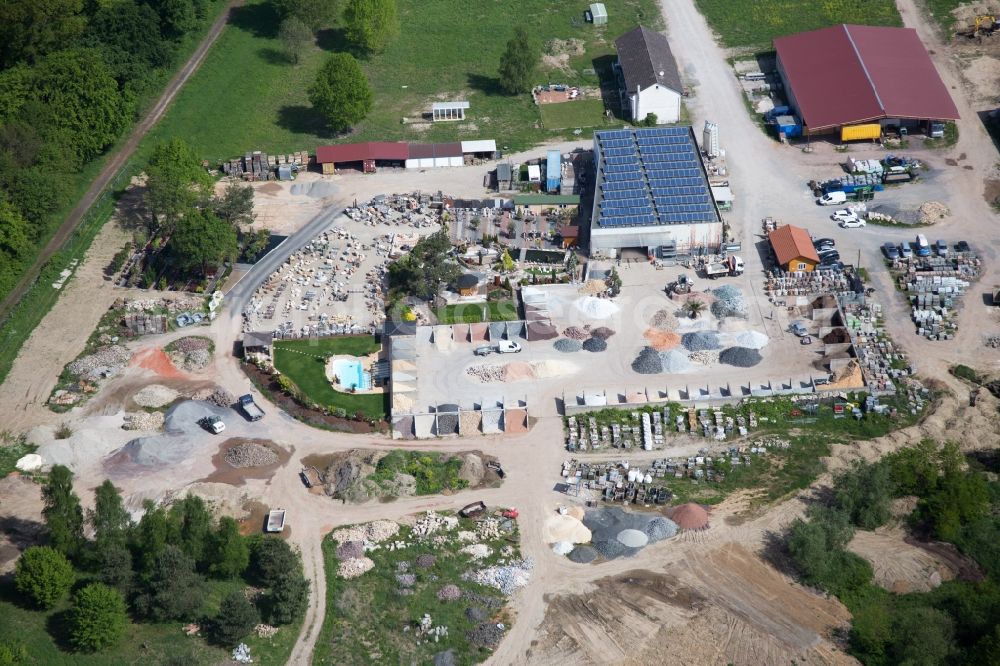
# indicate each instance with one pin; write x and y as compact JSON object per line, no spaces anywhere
{"x":562,"y":547}
{"x":547,"y":369}
{"x":665,"y":320}
{"x":690,"y":516}
{"x":518,"y":371}
{"x":596,"y":308}
{"x":477,"y":551}
{"x":752,"y":340}
{"x":355,"y":567}
{"x":155,"y":395}
{"x":633,"y":538}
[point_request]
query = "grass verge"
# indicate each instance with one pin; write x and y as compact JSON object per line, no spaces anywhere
{"x":472,"y":313}
{"x":434,"y":472}
{"x":568,"y":115}
{"x":755,"y":24}
{"x":366,"y":616}
{"x":304,"y":362}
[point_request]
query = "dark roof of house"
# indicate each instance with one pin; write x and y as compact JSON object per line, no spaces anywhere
{"x":428,"y":150}
{"x":848,"y":74}
{"x":258,"y":339}
{"x":791,"y":243}
{"x":503,"y":171}
{"x":356,"y":152}
{"x":646,"y":59}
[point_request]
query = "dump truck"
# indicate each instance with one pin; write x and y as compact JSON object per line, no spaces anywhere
{"x":732,"y":265}
{"x":250,"y":408}
{"x":311,"y":477}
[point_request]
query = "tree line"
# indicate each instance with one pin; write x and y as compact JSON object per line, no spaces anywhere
{"x":155,"y":570}
{"x":72,"y":75}
{"x":958,"y":502}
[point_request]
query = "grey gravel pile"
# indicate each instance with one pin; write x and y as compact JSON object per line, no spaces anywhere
{"x":105,"y":362}
{"x":447,"y":424}
{"x":566,"y":345}
{"x":664,"y":320}
{"x":659,"y":529}
{"x":406,"y":579}
{"x":449,"y":592}
{"x":741,"y":357}
{"x":595,"y":345}
{"x":483,"y":600}
{"x":582,"y":555}
{"x":700,"y":341}
{"x":648,"y":362}
{"x":729,"y":302}
{"x":446,"y":658}
{"x":610,"y":549}
{"x":221,"y":397}
{"x":602,"y":332}
{"x":607,"y":523}
{"x":251,"y":455}
{"x":576,"y":333}
{"x":349,"y":549}
{"x":426,"y":561}
{"x":675,"y":361}
{"x":486,"y":634}
{"x":476,"y":614}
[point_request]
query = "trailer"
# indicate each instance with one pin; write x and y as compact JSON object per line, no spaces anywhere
{"x":250,"y":408}
{"x":472,"y":510}
{"x":310,"y":477}
{"x":275,"y":521}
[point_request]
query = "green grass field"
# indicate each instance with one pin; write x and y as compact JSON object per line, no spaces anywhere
{"x":755,"y":23}
{"x":569,"y":115}
{"x":469,"y":313}
{"x":143,"y":643}
{"x":247,"y":96}
{"x":303,"y":361}
{"x":940,"y":11}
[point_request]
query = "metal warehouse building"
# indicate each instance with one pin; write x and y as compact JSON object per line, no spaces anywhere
{"x":854,"y":75}
{"x":652,"y":193}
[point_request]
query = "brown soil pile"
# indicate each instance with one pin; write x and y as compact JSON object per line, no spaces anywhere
{"x":661,"y":340}
{"x":690,"y":516}
{"x":518,"y":370}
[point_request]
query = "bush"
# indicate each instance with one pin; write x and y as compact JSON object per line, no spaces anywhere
{"x":98,"y":618}
{"x":236,"y":619}
{"x":118,"y":261}
{"x":44,"y":575}
{"x":272,"y":559}
{"x":966,"y":373}
{"x":12,"y":653}
{"x":287,"y":600}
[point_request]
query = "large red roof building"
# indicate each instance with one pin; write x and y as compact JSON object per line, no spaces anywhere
{"x":853,"y":74}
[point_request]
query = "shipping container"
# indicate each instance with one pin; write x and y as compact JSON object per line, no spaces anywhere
{"x":859,"y":132}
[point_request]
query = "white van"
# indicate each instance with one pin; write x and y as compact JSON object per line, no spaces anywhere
{"x":832,"y":199}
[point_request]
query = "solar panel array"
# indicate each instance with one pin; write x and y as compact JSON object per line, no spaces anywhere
{"x":650,"y":177}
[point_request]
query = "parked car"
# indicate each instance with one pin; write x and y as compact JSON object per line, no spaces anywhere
{"x":822,"y":244}
{"x":832,"y":266}
{"x":826,"y":256}
{"x":890,"y":251}
{"x":798,"y":328}
{"x":962,"y":246}
{"x":832,"y":199}
{"x":213,"y":424}
{"x":905,"y":250}
{"x":942,"y":248}
{"x":844,"y":214}
{"x":923,"y":246}
{"x":856,"y":223}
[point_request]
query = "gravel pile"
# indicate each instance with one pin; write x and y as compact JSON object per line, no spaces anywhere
{"x":632,"y":538}
{"x":583,"y":555}
{"x":729,"y":302}
{"x":741,"y":357}
{"x":648,"y":362}
{"x":354,"y":567}
{"x":406,"y":579}
{"x":143,"y":421}
{"x":704,"y":357}
{"x":609,"y":550}
{"x":664,"y":320}
{"x":595,"y":345}
{"x":217,"y":396}
{"x":507,"y":579}
{"x":486,"y":373}
{"x":375,"y":531}
{"x":446,"y":658}
{"x":104,"y":362}
{"x":447,"y":424}
{"x":449,"y":593}
{"x":659,"y":529}
{"x":576,"y":333}
{"x":477,"y":551}
{"x":486,"y":634}
{"x":602,"y":332}
{"x":190,"y":344}
{"x":251,"y":455}
{"x":350,"y":549}
{"x":483,"y":600}
{"x":562,"y":547}
{"x":155,"y":395}
{"x":616,"y":532}
{"x":674,"y":361}
{"x":426,"y":561}
{"x":476,"y":614}
{"x":752,"y":340}
{"x":566,"y":345}
{"x":700,"y":340}
{"x":690,"y":516}
{"x":195,"y":360}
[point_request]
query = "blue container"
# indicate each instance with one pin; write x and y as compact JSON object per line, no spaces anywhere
{"x":553,"y":170}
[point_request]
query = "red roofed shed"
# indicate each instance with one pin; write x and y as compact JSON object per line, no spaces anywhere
{"x":852,"y":74}
{"x":793,"y":248}
{"x":362,"y":155}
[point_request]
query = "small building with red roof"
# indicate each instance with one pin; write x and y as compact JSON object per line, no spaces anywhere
{"x":793,"y":249}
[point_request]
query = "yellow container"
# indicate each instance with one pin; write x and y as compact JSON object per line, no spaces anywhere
{"x":858,"y":132}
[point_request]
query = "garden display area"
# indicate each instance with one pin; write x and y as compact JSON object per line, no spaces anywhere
{"x":472,"y":313}
{"x":303,"y":362}
{"x":430,"y":591}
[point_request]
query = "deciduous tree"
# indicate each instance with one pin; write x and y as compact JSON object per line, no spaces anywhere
{"x":63,"y":514}
{"x":43,"y":575}
{"x":30,"y":29}
{"x":109,"y":519}
{"x":201,"y":241}
{"x":295,"y":37}
{"x":518,"y":62}
{"x":341,"y":93}
{"x":370,"y":24}
{"x":175,"y":181}
{"x":229,"y":554}
{"x":315,"y":14}
{"x":98,"y":618}
{"x":173,"y":591}
{"x":194,"y":524}
{"x":235,"y":206}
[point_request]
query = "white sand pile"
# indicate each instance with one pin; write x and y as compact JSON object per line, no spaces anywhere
{"x":752,"y":340}
{"x":595,"y":308}
{"x":477,"y":551}
{"x":546,"y":369}
{"x":565,"y":528}
{"x":155,"y":395}
{"x":562,"y":548}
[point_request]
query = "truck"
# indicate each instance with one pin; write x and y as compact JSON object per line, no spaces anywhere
{"x":501,"y":347}
{"x":852,"y":183}
{"x":731,"y":265}
{"x":212,"y":423}
{"x":275,"y":521}
{"x":250,"y":408}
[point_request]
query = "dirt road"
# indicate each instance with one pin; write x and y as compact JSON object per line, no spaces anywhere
{"x":119,"y":159}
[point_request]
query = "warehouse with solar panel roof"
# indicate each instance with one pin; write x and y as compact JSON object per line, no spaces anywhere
{"x":652,"y":194}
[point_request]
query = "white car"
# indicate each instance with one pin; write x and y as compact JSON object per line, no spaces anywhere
{"x":853,"y":224}
{"x":844,"y":214}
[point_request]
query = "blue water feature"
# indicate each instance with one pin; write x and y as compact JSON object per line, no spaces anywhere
{"x":350,"y":375}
